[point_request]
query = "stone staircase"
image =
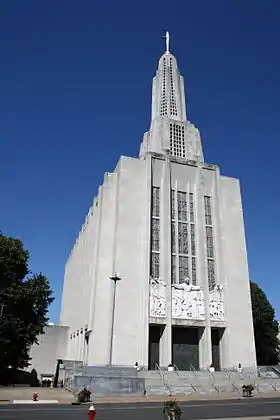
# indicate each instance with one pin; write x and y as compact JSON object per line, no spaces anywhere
{"x":155,"y":384}
{"x":162,"y":382}
{"x":119,"y":381}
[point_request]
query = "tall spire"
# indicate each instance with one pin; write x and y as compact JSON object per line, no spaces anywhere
{"x":170,"y":130}
{"x":167,"y":39}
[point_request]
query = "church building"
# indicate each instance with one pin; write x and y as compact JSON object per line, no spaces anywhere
{"x":158,"y":274}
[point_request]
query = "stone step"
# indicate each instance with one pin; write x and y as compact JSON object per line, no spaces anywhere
{"x":184,"y":390}
{"x":157,"y":391}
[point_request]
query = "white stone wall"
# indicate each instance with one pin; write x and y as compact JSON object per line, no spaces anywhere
{"x":238,"y":340}
{"x":231,"y":270}
{"x":115,"y":238}
{"x":132,"y":262}
{"x":122,"y":249}
{"x":78,"y":285}
{"x":101,"y":298}
{"x":52,"y":345}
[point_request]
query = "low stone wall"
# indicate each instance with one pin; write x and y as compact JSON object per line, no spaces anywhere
{"x":106,"y":386}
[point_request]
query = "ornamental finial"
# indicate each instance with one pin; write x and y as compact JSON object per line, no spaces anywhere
{"x":167,"y":40}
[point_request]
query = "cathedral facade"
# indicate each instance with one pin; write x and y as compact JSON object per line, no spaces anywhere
{"x":159,"y":271}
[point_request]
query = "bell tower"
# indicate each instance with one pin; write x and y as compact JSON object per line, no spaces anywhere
{"x":169,"y":129}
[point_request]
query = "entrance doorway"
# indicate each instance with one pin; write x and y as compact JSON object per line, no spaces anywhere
{"x":185,"y":348}
{"x":155,"y":332}
{"x":216,"y":334}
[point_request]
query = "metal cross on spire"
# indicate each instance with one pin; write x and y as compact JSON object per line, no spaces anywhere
{"x":167,"y":40}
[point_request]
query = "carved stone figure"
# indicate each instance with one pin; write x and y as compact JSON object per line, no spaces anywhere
{"x":216,"y":303}
{"x":157,"y":298}
{"x":187,"y":302}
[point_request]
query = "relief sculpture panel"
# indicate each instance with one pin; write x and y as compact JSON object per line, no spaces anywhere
{"x":187,"y":302}
{"x":157,"y":298}
{"x":216,"y":303}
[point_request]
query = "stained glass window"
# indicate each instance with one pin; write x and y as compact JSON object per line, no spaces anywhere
{"x":211,"y":274}
{"x":183,"y":238}
{"x":174,"y":267}
{"x":156,"y":202}
{"x":155,"y":265}
{"x":209,"y":242}
{"x":193,"y":239}
{"x":173,"y":237}
{"x":193,"y":271}
{"x":173,"y":204}
{"x":207,"y":210}
{"x":191,"y":208}
{"x":182,"y":206}
{"x":183,"y":268}
{"x":155,"y":234}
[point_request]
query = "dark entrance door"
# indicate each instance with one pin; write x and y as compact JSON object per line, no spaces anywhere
{"x":154,"y":338}
{"x":185,"y":349}
{"x":216,"y":337}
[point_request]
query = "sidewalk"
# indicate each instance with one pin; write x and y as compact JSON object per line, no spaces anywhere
{"x":193,"y":397}
{"x":9,"y":394}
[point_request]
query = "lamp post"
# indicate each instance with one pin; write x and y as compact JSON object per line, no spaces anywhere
{"x":115,"y":279}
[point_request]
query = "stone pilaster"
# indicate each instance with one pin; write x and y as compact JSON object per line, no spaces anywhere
{"x":165,"y":260}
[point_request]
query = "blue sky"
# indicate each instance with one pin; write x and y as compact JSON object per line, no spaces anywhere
{"x":75,"y":94}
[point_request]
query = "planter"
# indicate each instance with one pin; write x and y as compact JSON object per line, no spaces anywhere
{"x":247,"y":390}
{"x":247,"y":393}
{"x":171,"y":415}
{"x":170,"y":368}
{"x":171,"y":409}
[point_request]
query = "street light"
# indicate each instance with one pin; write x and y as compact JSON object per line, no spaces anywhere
{"x":115,"y":279}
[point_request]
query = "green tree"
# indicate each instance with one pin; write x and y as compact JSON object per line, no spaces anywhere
{"x":265,"y":328}
{"x":24,"y":302}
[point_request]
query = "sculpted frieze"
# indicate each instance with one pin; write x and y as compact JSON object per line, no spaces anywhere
{"x":187,"y":302}
{"x":157,"y":298}
{"x":216,"y":303}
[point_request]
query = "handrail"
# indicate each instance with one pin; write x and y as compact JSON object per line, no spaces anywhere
{"x":228,"y":373}
{"x":193,"y":369}
{"x":163,"y":379}
{"x":176,"y":369}
{"x":212,"y":381}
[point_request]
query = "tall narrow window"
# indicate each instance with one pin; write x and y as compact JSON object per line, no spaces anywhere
{"x":183,"y":243}
{"x":183,"y":240}
{"x":177,"y":140}
{"x":174,"y":269}
{"x":155,"y":234}
{"x":182,"y":206}
{"x":209,"y":242}
{"x":183,"y":268}
{"x":156,"y":202}
{"x":192,"y":238}
{"x":173,"y":238}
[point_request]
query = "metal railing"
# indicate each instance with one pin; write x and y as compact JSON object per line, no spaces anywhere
{"x":164,"y":379}
{"x":193,"y":369}
{"x":212,"y":382}
{"x":177,"y":370}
